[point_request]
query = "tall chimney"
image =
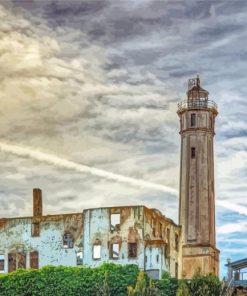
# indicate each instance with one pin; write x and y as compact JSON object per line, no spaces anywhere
{"x":37,"y":202}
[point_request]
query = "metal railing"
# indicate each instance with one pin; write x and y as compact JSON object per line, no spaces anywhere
{"x":197,"y":104}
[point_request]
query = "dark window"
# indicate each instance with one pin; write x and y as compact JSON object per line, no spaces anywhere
{"x":154,"y":227}
{"x":160,"y":230}
{"x":176,"y":242}
{"x":16,"y":260}
{"x":192,"y":119}
{"x":146,"y":258}
{"x":176,"y":270}
{"x":167,"y":253}
{"x":68,"y":241}
{"x":11,"y":262}
{"x":132,"y":248}
{"x":34,"y":259}
{"x":157,"y":258}
{"x":1,"y":262}
{"x":21,"y":260}
{"x":193,"y":152}
{"x":35,"y":229}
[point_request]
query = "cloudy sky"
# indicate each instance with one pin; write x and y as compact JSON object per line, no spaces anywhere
{"x":88,"y":99}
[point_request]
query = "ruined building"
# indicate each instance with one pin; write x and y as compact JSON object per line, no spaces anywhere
{"x":124,"y":235}
{"x":132,"y":234}
{"x":197,"y":201}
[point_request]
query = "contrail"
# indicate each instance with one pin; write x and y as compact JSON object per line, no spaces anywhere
{"x":64,"y":163}
{"x":232,"y":207}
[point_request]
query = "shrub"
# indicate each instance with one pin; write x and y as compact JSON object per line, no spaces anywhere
{"x":183,"y":289}
{"x":208,"y":285}
{"x":167,"y":286}
{"x":69,"y":281}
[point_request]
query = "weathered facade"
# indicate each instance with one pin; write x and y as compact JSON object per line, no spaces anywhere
{"x":124,"y":235}
{"x":133,"y":234}
{"x":197,"y":201}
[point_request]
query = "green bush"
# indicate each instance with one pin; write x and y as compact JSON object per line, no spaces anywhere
{"x":106,"y":280}
{"x":167,"y":286}
{"x":208,"y":285}
{"x":69,"y":281}
{"x":183,"y":289}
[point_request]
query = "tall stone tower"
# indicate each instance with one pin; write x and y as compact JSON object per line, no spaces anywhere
{"x":197,"y":202}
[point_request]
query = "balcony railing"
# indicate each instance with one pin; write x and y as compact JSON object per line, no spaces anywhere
{"x":197,"y":104}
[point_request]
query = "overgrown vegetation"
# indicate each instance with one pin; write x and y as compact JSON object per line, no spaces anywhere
{"x":105,"y":280}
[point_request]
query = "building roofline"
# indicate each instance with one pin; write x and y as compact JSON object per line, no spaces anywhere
{"x":89,"y":209}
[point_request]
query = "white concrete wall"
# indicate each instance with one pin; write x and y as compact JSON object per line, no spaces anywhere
{"x":16,"y":236}
{"x":97,"y":226}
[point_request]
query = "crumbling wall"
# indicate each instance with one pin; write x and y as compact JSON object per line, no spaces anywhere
{"x":163,"y":243}
{"x":127,"y":234}
{"x":16,"y":238}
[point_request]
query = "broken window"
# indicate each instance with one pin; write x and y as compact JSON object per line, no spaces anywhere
{"x":154,"y":227}
{"x":79,"y":258}
{"x":35,"y":229}
{"x":96,"y":251}
{"x":192,"y":119}
{"x":193,"y":152}
{"x":157,"y":258}
{"x":68,"y":241}
{"x":21,"y":260}
{"x":167,"y":253}
{"x":176,"y":242}
{"x":16,"y":260}
{"x":1,"y":263}
{"x":115,"y":221}
{"x":115,"y":251}
{"x":176,"y":270}
{"x":160,"y":230}
{"x":132,"y":250}
{"x":34,"y":259}
{"x":11,"y":262}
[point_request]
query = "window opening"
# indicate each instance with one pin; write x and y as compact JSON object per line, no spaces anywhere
{"x":193,"y":152}
{"x":193,"y":120}
{"x":115,"y":251}
{"x":176,"y":270}
{"x":160,"y":230}
{"x":16,"y":260}
{"x":79,"y":257}
{"x":176,"y":242}
{"x":68,"y":241}
{"x":157,"y":258}
{"x":154,"y":227}
{"x":96,"y":251}
{"x":115,"y":221}
{"x":1,"y":262}
{"x":34,"y":259}
{"x":132,"y":250}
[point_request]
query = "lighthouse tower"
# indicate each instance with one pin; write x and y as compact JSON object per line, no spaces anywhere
{"x":197,"y":201}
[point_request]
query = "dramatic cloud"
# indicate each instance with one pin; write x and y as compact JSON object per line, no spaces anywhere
{"x":95,"y":84}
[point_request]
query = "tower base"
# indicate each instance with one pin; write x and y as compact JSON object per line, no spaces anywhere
{"x":199,"y":258}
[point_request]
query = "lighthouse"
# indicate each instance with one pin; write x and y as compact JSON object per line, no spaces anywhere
{"x":197,"y":195}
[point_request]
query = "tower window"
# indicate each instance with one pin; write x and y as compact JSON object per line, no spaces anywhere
{"x":193,"y":152}
{"x":193,"y":120}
